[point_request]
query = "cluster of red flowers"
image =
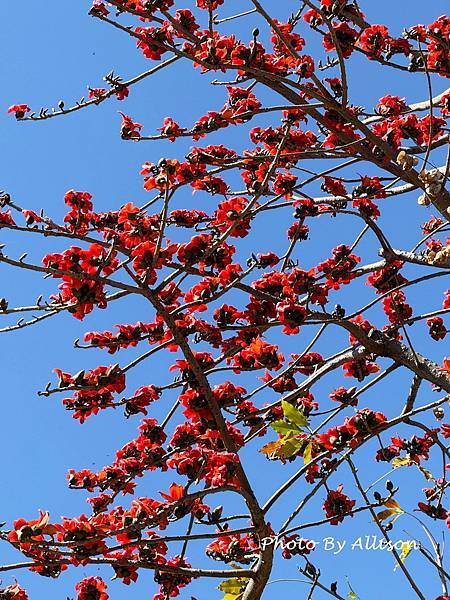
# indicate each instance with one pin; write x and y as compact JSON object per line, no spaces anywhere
{"x":82,"y":287}
{"x":353,"y":431}
{"x":395,"y":129}
{"x":127,"y":336}
{"x":340,"y":268}
{"x":233,"y":548}
{"x":417,"y":448}
{"x":240,"y":107}
{"x":94,"y":390}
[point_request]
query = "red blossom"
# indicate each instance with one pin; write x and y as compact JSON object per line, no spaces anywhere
{"x":338,"y":505}
{"x":19,"y":110}
{"x":437,"y":328}
{"x":14,"y":592}
{"x":91,"y":588}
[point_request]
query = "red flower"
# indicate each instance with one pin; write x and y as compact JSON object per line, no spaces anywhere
{"x":367,"y":207}
{"x":6,"y":218}
{"x":154,"y":41}
{"x":338,"y":505}
{"x":91,"y":588}
{"x":387,"y":277}
{"x":446,"y":430}
{"x":298,"y":547}
{"x":370,"y":187}
{"x":28,"y":530}
{"x":446,"y":303}
{"x":333,"y":186}
{"x":374,"y":40}
{"x":339,"y":269}
{"x":13,"y":592}
{"x":170,"y":583}
{"x":431,"y":225}
{"x":445,"y":105}
{"x":297,"y":231}
{"x":121,"y":92}
{"x":437,"y":328}
{"x":345,"y":35}
{"x":284,"y":184}
{"x":209,"y":4}
{"x":233,"y":548}
{"x":126,"y":572}
{"x":171,"y":129}
{"x":307,"y":363}
{"x":360,"y":368}
{"x":19,"y":110}
{"x":345,"y":396}
{"x":258,"y":355}
{"x":98,"y":9}
{"x":97,"y":93}
{"x":431,"y":128}
{"x":129,"y":129}
{"x":30,"y":217}
{"x":396,"y":308}
{"x":79,"y":201}
{"x":391,"y":105}
{"x":226,"y":215}
{"x":292,"y":315}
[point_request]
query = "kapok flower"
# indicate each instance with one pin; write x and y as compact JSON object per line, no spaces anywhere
{"x":338,"y":505}
{"x":19,"y":110}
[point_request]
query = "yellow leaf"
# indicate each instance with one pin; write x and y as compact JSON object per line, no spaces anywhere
{"x":401,"y":462}
{"x":289,"y":447}
{"x":352,"y":595}
{"x":425,"y":472}
{"x":271,"y":447}
{"x":393,"y":510}
{"x":391,"y":503}
{"x":385,"y":514}
{"x":405,"y":551}
{"x":307,"y":453}
{"x":233,"y":587}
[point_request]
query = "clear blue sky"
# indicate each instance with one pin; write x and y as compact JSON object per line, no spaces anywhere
{"x":52,"y":50}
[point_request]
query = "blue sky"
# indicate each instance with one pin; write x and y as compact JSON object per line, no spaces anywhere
{"x":53,"y":52}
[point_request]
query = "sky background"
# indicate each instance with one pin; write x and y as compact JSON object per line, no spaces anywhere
{"x":52,"y":51}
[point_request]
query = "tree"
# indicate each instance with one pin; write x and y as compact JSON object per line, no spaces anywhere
{"x":233,"y":315}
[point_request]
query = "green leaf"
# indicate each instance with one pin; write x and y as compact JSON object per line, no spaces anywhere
{"x":284,"y":428}
{"x":293,"y":415}
{"x":285,"y":447}
{"x":290,"y":447}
